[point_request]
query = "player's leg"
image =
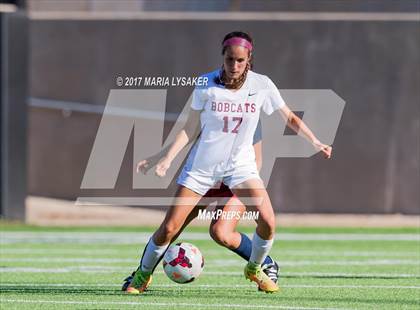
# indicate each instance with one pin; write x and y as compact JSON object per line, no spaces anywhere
{"x":175,"y":218}
{"x":224,"y":232}
{"x":193,"y":214}
{"x":262,"y":241}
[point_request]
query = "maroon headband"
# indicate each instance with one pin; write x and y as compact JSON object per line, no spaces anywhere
{"x":238,"y":41}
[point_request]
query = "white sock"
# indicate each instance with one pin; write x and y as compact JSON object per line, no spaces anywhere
{"x":151,"y":255}
{"x":260,"y":249}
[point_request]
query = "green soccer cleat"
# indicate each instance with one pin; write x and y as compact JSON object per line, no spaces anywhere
{"x":254,"y":272}
{"x":140,"y":282}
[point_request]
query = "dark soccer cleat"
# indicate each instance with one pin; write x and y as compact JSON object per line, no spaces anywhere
{"x":272,"y":271}
{"x":127,"y":281}
{"x":140,"y":282}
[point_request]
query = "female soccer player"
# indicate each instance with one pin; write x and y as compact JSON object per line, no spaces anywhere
{"x":223,"y":230}
{"x":228,"y":109}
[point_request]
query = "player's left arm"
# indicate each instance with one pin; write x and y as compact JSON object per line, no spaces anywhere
{"x":297,"y":125}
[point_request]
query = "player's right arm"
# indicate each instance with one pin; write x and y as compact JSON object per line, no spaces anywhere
{"x":187,"y":134}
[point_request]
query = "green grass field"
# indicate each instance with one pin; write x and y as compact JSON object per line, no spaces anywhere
{"x":83,"y":268}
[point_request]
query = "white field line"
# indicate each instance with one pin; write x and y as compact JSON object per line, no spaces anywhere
{"x":194,"y":286}
{"x":225,"y":262}
{"x":105,"y":269}
{"x":70,"y":260}
{"x":282,"y":263}
{"x":129,"y":238}
{"x":345,"y":253}
{"x":349,"y":275}
{"x":275,"y":251}
{"x":156,"y":304}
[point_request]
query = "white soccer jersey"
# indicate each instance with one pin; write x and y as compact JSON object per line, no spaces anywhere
{"x":228,"y":122}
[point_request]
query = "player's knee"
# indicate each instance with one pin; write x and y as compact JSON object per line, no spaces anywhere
{"x":219,"y":235}
{"x":214,"y":233}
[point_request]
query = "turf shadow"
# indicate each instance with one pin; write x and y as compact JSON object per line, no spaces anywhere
{"x":19,"y":289}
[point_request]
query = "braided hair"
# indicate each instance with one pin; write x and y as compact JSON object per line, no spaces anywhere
{"x":222,"y":78}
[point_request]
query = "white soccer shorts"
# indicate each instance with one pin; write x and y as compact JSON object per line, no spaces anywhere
{"x":200,"y":183}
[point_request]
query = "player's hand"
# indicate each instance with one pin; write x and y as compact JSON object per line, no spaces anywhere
{"x":162,"y":166}
{"x":143,"y":166}
{"x":324,"y":148}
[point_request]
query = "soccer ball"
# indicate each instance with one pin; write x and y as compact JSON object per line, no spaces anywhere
{"x":183,"y":262}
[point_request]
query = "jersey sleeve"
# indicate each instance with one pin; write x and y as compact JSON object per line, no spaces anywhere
{"x":257,"y":134}
{"x":273,"y":99}
{"x":198,"y":98}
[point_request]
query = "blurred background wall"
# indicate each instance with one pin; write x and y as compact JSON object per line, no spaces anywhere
{"x":225,"y":5}
{"x":365,"y":51}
